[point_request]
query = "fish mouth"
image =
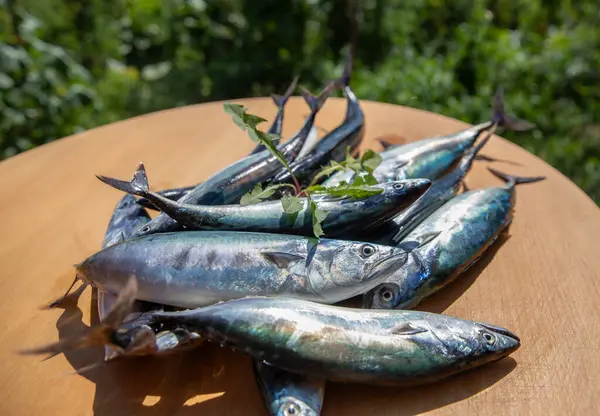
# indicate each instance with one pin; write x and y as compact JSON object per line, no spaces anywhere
{"x":502,"y":331}
{"x":387,"y":266}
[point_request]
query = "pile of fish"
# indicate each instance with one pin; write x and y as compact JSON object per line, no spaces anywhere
{"x":253,"y":277}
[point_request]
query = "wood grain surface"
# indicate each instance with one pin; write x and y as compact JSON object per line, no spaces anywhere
{"x":543,"y":282}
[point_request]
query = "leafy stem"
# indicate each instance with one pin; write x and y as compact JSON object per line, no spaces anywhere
{"x":361,"y":186}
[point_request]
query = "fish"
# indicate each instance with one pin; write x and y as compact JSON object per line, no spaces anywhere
{"x":175,"y":194}
{"x":277,"y":125}
{"x":229,"y":184}
{"x":189,"y":269}
{"x":440,"y":192}
{"x":432,"y":157}
{"x":340,"y":344}
{"x":333,"y":146}
{"x":270,"y":216}
{"x":447,"y":243}
{"x":286,"y":393}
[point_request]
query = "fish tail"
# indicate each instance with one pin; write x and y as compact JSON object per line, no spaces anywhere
{"x":344,"y":80}
{"x":138,"y":185}
{"x":502,"y":119}
{"x":512,"y":180}
{"x":101,"y":334}
{"x":281,"y":100}
{"x":316,"y":102}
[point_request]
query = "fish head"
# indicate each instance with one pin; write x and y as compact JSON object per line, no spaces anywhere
{"x":470,"y":344}
{"x":355,"y":262}
{"x":400,"y":194}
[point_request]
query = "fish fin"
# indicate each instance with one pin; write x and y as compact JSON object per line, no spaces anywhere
{"x":406,"y":328}
{"x":504,"y":120}
{"x":344,"y":80}
{"x":138,"y":185}
{"x":102,"y":334}
{"x":57,"y":302}
{"x":315,"y":103}
{"x":385,"y":144}
{"x":424,"y":239}
{"x":515,"y":180}
{"x":282,"y":260}
{"x":280,"y":100}
{"x":486,"y":158}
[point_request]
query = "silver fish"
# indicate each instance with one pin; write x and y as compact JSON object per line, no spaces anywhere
{"x":269,"y":216}
{"x":195,"y":268}
{"x":447,"y":243}
{"x":379,"y":347}
{"x":440,"y":192}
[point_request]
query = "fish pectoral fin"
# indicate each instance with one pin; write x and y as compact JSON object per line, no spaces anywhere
{"x":407,"y":328}
{"x":281,"y":259}
{"x":422,"y":240}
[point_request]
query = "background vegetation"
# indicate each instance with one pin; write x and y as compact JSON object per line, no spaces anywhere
{"x":69,"y":65}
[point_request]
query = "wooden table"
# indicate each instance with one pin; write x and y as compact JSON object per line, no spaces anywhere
{"x":543,"y":282}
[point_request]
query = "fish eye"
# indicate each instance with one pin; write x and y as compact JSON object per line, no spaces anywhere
{"x":145,"y":228}
{"x":291,"y":409}
{"x":367,"y":250}
{"x":489,"y":338}
{"x":387,"y":295}
{"x":398,"y":186}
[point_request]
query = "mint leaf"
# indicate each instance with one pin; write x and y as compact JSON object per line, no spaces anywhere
{"x":370,"y":160}
{"x":317,"y":218}
{"x":291,"y":204}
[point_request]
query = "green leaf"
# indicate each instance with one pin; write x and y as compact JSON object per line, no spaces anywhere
{"x":318,"y":216}
{"x":328,"y":170}
{"x":258,"y":194}
{"x":370,"y":160}
{"x":370,"y":179}
{"x":237,"y":113}
{"x":364,"y":179}
{"x":351,"y":162}
{"x":291,"y":204}
{"x":252,"y":121}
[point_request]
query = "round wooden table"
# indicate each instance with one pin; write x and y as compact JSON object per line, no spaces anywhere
{"x":543,"y":282}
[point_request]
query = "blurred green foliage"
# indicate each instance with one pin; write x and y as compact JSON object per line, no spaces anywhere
{"x":69,"y":65}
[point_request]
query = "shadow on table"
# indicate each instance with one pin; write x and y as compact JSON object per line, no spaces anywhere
{"x":172,"y":384}
{"x":348,"y":399}
{"x":164,"y":385}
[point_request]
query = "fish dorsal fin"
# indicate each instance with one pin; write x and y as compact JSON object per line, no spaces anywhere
{"x":406,"y":328}
{"x":411,"y":245}
{"x":281,"y":259}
